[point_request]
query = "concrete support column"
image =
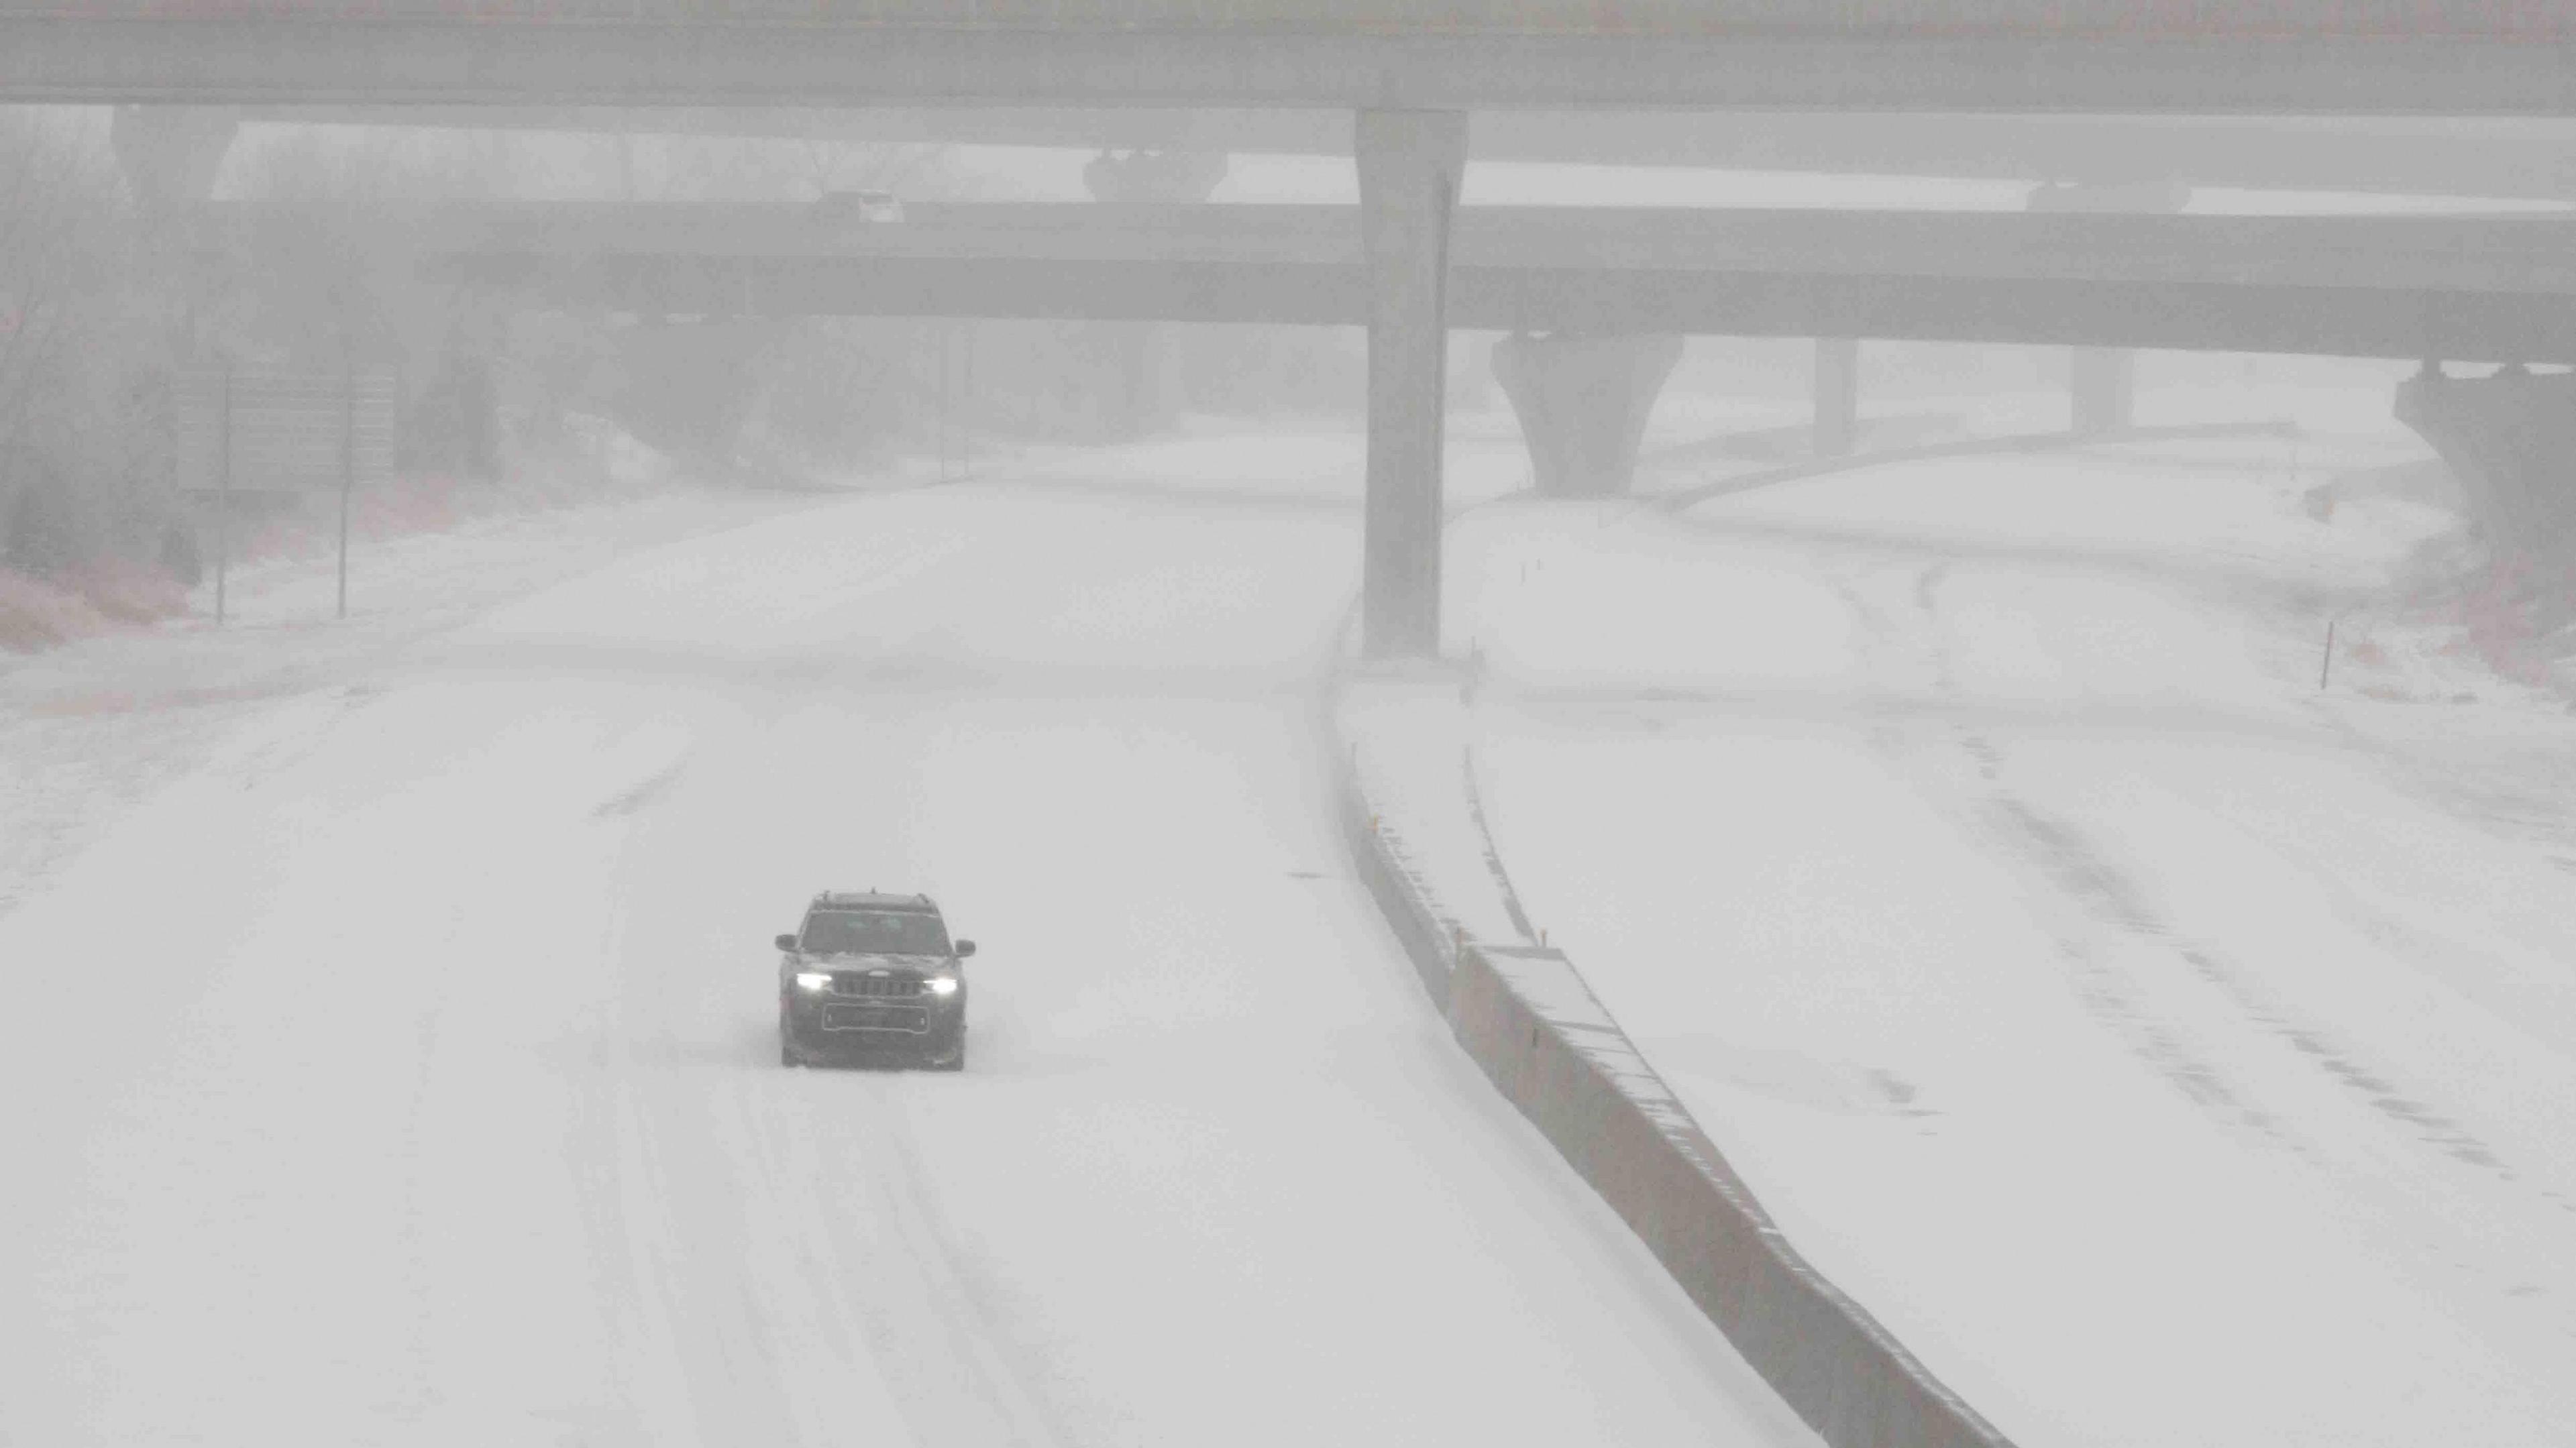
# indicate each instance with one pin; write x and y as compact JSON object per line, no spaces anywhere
{"x":1409,"y":167}
{"x":2510,"y":440}
{"x":1583,"y":404}
{"x":2102,"y":387}
{"x":455,"y":422}
{"x":170,"y":154}
{"x":2102,"y":382}
{"x":1837,"y":396}
{"x":1140,"y":363}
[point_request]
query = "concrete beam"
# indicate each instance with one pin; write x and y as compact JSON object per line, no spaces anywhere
{"x":2506,"y":60}
{"x":2406,"y":287}
{"x":2175,"y":316}
{"x":2511,"y":159}
{"x":1410,"y":164}
{"x":2401,"y":323}
{"x":2508,"y":254}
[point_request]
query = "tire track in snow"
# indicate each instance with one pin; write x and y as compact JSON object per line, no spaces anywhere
{"x":788,"y":1202}
{"x":2085,"y":876}
{"x":2088,"y":879}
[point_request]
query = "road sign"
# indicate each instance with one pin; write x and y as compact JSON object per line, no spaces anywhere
{"x":271,"y":430}
{"x":265,"y":430}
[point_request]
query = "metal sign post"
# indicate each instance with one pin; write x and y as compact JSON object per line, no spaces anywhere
{"x":224,"y":500}
{"x":276,"y":431}
{"x":348,"y":476}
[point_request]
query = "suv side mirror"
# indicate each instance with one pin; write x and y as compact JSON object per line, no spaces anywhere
{"x":965,"y":948}
{"x":787,"y":943}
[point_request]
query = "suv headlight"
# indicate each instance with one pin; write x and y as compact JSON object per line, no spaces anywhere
{"x":813,"y":979}
{"x":944,"y":985}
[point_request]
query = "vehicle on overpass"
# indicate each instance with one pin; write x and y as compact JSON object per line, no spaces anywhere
{"x":842,"y":207}
{"x":872,"y":978}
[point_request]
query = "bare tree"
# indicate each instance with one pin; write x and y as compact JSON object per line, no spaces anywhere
{"x":79,"y":349}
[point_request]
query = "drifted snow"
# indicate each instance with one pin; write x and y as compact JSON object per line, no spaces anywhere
{"x":2163,"y":1049}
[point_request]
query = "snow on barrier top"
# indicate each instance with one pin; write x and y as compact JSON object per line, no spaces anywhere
{"x":1526,"y":1016}
{"x":1409,"y":763}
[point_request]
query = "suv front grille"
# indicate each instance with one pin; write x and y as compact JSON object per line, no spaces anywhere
{"x":839,"y":1017}
{"x":875,"y":987}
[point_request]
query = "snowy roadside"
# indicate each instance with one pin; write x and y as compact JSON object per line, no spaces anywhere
{"x":455,"y":1070}
{"x":2165,"y":1049}
{"x":91,"y":728}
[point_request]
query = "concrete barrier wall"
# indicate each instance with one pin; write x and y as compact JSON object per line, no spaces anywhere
{"x":1427,"y":943}
{"x":1530,"y":1022}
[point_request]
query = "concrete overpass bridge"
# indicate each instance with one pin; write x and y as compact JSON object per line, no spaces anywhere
{"x":2515,"y":159}
{"x":2462,"y":57}
{"x":1408,"y":80}
{"x":2491,"y":288}
{"x":1613,"y":288}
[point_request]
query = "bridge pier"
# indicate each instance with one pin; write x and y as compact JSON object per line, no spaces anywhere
{"x":170,"y":154}
{"x":2510,"y":439}
{"x":1141,"y":384}
{"x":454,"y":421}
{"x":1837,"y":427}
{"x":1583,"y":402}
{"x":2102,"y":382}
{"x":1409,"y":167}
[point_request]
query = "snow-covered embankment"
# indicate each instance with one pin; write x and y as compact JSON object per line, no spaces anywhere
{"x":1523,"y":1012}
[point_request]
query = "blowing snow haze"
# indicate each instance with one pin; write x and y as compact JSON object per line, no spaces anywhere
{"x":1287,"y":722}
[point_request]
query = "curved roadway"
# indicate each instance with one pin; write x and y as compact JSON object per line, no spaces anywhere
{"x":407,"y":1076}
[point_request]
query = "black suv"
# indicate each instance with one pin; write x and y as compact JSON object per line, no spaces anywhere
{"x":872,"y":975}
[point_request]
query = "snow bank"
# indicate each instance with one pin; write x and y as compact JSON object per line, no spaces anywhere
{"x":2168,"y":1050}
{"x":1524,"y":1014}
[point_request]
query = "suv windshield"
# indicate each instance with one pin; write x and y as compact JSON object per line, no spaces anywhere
{"x":874,"y":932}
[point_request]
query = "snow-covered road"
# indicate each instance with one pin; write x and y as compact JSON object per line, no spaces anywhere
{"x":405,"y":1074}
{"x":2168,"y":1051}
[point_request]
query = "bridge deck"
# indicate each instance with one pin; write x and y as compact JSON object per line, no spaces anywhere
{"x":2102,"y":56}
{"x":2188,"y":19}
{"x":2412,"y":156}
{"x":2514,"y":254}
{"x":2487,"y":288}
